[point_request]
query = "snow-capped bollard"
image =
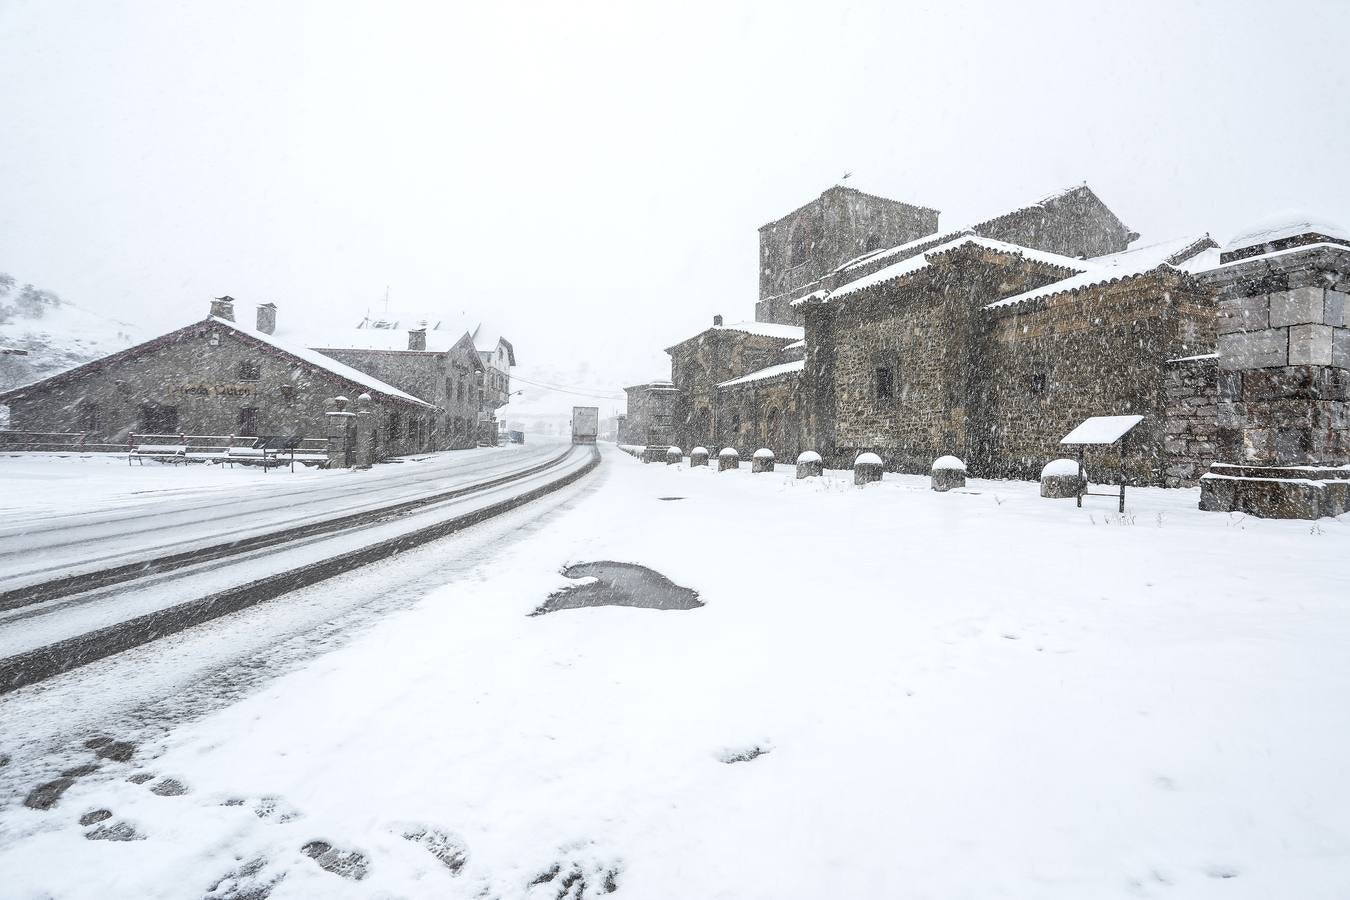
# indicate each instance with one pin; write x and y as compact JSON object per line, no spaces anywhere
{"x":654,"y":453}
{"x":1060,"y":479}
{"x":810,"y":465}
{"x":866,"y":468}
{"x":728,"y":459}
{"x":948,"y":472}
{"x":673,"y":456}
{"x":762,"y":461}
{"x":698,"y":457}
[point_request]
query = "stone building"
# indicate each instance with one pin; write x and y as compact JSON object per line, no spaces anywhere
{"x":650,"y":420}
{"x":703,"y":362}
{"x":1073,"y":222}
{"x":992,"y":341}
{"x":216,"y":377}
{"x":452,"y":361}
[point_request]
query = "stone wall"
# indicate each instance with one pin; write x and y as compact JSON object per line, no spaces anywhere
{"x":449,"y":380}
{"x":798,"y":249}
{"x":1190,"y":423}
{"x":701,"y":363}
{"x":767,"y":412}
{"x":923,"y":332}
{"x":650,"y":419}
{"x":1055,"y":361}
{"x":207,"y":375}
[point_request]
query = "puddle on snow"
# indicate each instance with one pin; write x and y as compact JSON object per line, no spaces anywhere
{"x":619,"y":584}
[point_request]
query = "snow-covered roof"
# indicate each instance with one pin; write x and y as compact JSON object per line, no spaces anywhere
{"x":318,"y":360}
{"x":1101,"y":430}
{"x":922,"y":260}
{"x":1113,"y":267}
{"x":796,"y":345}
{"x":389,"y":331}
{"x":766,"y":329}
{"x":770,"y":372}
{"x":910,"y":248}
{"x":1284,"y":226}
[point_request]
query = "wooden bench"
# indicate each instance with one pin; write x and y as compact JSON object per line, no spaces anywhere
{"x":165,"y":453}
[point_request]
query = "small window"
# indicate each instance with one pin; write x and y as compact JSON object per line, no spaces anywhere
{"x":156,"y":419}
{"x":885,"y":383}
{"x":1038,"y":383}
{"x":395,"y":431}
{"x":288,"y":393}
{"x":249,"y":370}
{"x":248,"y":422}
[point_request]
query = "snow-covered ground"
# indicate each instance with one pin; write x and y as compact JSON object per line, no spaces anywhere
{"x":889,"y":693}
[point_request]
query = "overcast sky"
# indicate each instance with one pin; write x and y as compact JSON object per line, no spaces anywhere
{"x":590,"y":176}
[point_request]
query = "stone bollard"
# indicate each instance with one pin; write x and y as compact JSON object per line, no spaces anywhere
{"x":948,"y":472}
{"x":698,"y":457}
{"x":1060,"y":479}
{"x":810,"y":465}
{"x":728,"y":459}
{"x":866,"y":468}
{"x":762,"y":461}
{"x":673,"y":456}
{"x":654,"y":453}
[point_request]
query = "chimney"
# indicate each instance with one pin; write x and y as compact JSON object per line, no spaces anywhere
{"x":417,"y":338}
{"x":717,"y":321}
{"x":223,"y":307}
{"x":267,"y":317}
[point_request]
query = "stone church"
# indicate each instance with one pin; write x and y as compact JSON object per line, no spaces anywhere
{"x":875,"y":331}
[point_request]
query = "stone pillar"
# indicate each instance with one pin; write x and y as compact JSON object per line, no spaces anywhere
{"x":762,"y":461}
{"x":728,"y":459}
{"x":1062,"y":479}
{"x":948,"y":472}
{"x":341,"y":433}
{"x":866,"y":469}
{"x":810,"y":465}
{"x":698,"y":457}
{"x":1283,"y":435}
{"x":673,"y":456}
{"x":366,"y":425}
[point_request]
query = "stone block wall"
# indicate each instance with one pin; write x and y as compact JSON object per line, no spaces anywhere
{"x":770,"y":412}
{"x":1284,"y":392}
{"x":798,"y":249}
{"x":1190,"y":424}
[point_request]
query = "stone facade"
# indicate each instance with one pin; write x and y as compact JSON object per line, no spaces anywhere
{"x":796,"y":251}
{"x":704,"y":414}
{"x":208,"y":378}
{"x":1190,"y":423}
{"x":650,"y":420}
{"x":452,"y":380}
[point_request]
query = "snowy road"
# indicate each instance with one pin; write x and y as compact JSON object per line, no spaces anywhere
{"x":38,"y":546}
{"x":45,"y":636}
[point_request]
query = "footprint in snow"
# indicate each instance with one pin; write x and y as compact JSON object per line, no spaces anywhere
{"x":448,"y":849}
{"x":351,"y":864}
{"x":576,"y":876}
{"x":250,"y":881}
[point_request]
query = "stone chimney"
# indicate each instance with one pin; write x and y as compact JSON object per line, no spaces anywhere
{"x":717,"y":321}
{"x":223,"y":307}
{"x":267,"y":318}
{"x":417,"y":338}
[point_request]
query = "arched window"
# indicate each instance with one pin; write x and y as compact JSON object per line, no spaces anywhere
{"x":771,"y":436}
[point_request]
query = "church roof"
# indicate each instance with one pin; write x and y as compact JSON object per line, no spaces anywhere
{"x":787,"y":368}
{"x":1114,"y":267}
{"x":922,"y":260}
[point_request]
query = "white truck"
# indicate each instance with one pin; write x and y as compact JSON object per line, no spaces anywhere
{"x":585,"y":424}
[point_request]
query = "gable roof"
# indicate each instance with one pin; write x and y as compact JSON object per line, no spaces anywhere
{"x":787,"y":368}
{"x":1114,"y":267}
{"x":912,"y":264}
{"x":310,"y":358}
{"x":787,"y":333}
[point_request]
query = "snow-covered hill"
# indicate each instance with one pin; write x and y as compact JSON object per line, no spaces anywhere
{"x":63,"y":336}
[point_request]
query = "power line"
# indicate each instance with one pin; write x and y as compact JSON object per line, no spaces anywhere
{"x":567,"y":390}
